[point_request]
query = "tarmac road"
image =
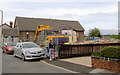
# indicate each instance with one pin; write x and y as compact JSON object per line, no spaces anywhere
{"x":13,"y":65}
{"x":10,"y":64}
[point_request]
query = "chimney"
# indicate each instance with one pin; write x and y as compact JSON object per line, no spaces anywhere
{"x":11,"y":23}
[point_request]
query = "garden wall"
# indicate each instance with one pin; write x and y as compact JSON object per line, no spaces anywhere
{"x":112,"y":65}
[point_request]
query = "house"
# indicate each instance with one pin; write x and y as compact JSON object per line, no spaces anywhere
{"x":27,"y":27}
{"x":5,"y":25}
{"x":9,"y":34}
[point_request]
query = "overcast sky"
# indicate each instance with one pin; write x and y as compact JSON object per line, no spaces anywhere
{"x":102,"y":14}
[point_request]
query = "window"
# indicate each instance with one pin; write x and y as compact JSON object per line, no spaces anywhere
{"x":18,"y":45}
{"x":29,"y":45}
{"x":27,"y":35}
{"x":11,"y":44}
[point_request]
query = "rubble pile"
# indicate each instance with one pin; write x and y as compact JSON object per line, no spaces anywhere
{"x":101,"y":40}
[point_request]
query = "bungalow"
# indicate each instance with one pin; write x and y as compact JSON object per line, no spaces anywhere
{"x":9,"y":34}
{"x":27,"y":27}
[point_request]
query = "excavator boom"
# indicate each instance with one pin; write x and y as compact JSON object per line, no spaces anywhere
{"x":40,"y":28}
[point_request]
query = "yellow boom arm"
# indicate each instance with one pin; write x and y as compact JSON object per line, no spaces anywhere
{"x":40,"y":28}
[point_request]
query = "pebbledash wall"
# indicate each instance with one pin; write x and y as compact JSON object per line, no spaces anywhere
{"x":112,"y":65}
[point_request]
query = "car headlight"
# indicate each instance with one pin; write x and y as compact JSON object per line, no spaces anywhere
{"x":27,"y":52}
{"x":10,"y":49}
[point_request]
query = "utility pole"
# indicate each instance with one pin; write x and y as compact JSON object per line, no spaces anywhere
{"x":1,"y":28}
{"x":1,"y":17}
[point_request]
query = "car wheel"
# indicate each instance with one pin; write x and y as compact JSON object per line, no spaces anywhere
{"x":7,"y":52}
{"x":23,"y":57}
{"x":42,"y":58}
{"x":3,"y":51}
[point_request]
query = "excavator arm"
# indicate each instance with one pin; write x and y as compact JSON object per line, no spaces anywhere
{"x":40,"y":28}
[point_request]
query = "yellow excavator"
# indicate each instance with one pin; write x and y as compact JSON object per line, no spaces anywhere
{"x":46,"y":32}
{"x":40,"y":28}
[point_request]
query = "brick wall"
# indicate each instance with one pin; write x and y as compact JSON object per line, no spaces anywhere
{"x":80,"y":36}
{"x":112,"y":66}
{"x":23,"y":36}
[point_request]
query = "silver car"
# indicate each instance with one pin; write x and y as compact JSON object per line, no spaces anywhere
{"x":28,"y":50}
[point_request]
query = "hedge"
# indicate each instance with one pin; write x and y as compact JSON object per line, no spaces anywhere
{"x":108,"y":52}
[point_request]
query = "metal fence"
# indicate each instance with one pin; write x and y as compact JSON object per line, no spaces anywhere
{"x":66,"y":50}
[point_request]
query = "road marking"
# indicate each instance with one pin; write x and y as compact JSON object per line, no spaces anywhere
{"x":58,"y":67}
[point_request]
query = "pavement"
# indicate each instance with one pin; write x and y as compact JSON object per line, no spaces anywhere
{"x":77,"y":67}
{"x":84,"y":60}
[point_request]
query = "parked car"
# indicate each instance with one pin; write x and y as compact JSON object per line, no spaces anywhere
{"x":8,"y":47}
{"x":28,"y":51}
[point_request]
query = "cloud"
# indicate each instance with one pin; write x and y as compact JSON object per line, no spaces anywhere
{"x":59,"y":0}
{"x":106,"y":31}
{"x":90,"y":15}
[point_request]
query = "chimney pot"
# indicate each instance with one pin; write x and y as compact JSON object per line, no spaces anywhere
{"x":11,"y":24}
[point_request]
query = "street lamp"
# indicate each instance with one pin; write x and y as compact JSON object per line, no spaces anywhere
{"x":1,"y":28}
{"x":1,"y":17}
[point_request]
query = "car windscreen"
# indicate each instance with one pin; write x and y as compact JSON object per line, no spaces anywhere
{"x":29,"y":45}
{"x":11,"y":44}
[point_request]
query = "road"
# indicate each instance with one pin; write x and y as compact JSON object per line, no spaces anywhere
{"x":10,"y":64}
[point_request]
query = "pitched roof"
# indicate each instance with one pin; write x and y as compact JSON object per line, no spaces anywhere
{"x":10,"y":32}
{"x":5,"y":25}
{"x":30,"y":24}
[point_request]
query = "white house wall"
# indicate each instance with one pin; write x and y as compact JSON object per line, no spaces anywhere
{"x":67,"y":31}
{"x":71,"y":33}
{"x":74,"y":36}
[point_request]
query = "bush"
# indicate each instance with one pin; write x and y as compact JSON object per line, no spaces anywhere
{"x":109,"y":52}
{"x":96,"y":53}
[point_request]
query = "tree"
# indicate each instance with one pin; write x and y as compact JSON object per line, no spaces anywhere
{"x":94,"y":33}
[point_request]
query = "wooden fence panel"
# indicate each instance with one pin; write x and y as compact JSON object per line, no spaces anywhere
{"x":81,"y":49}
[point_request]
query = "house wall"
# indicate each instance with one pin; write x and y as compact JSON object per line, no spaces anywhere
{"x":23,"y":36}
{"x":77,"y":36}
{"x":80,"y":36}
{"x":38,"y":38}
{"x":6,"y":39}
{"x":74,"y":36}
{"x":5,"y":26}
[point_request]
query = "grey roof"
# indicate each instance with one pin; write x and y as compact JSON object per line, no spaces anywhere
{"x":10,"y":32}
{"x":5,"y":24}
{"x":30,"y":24}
